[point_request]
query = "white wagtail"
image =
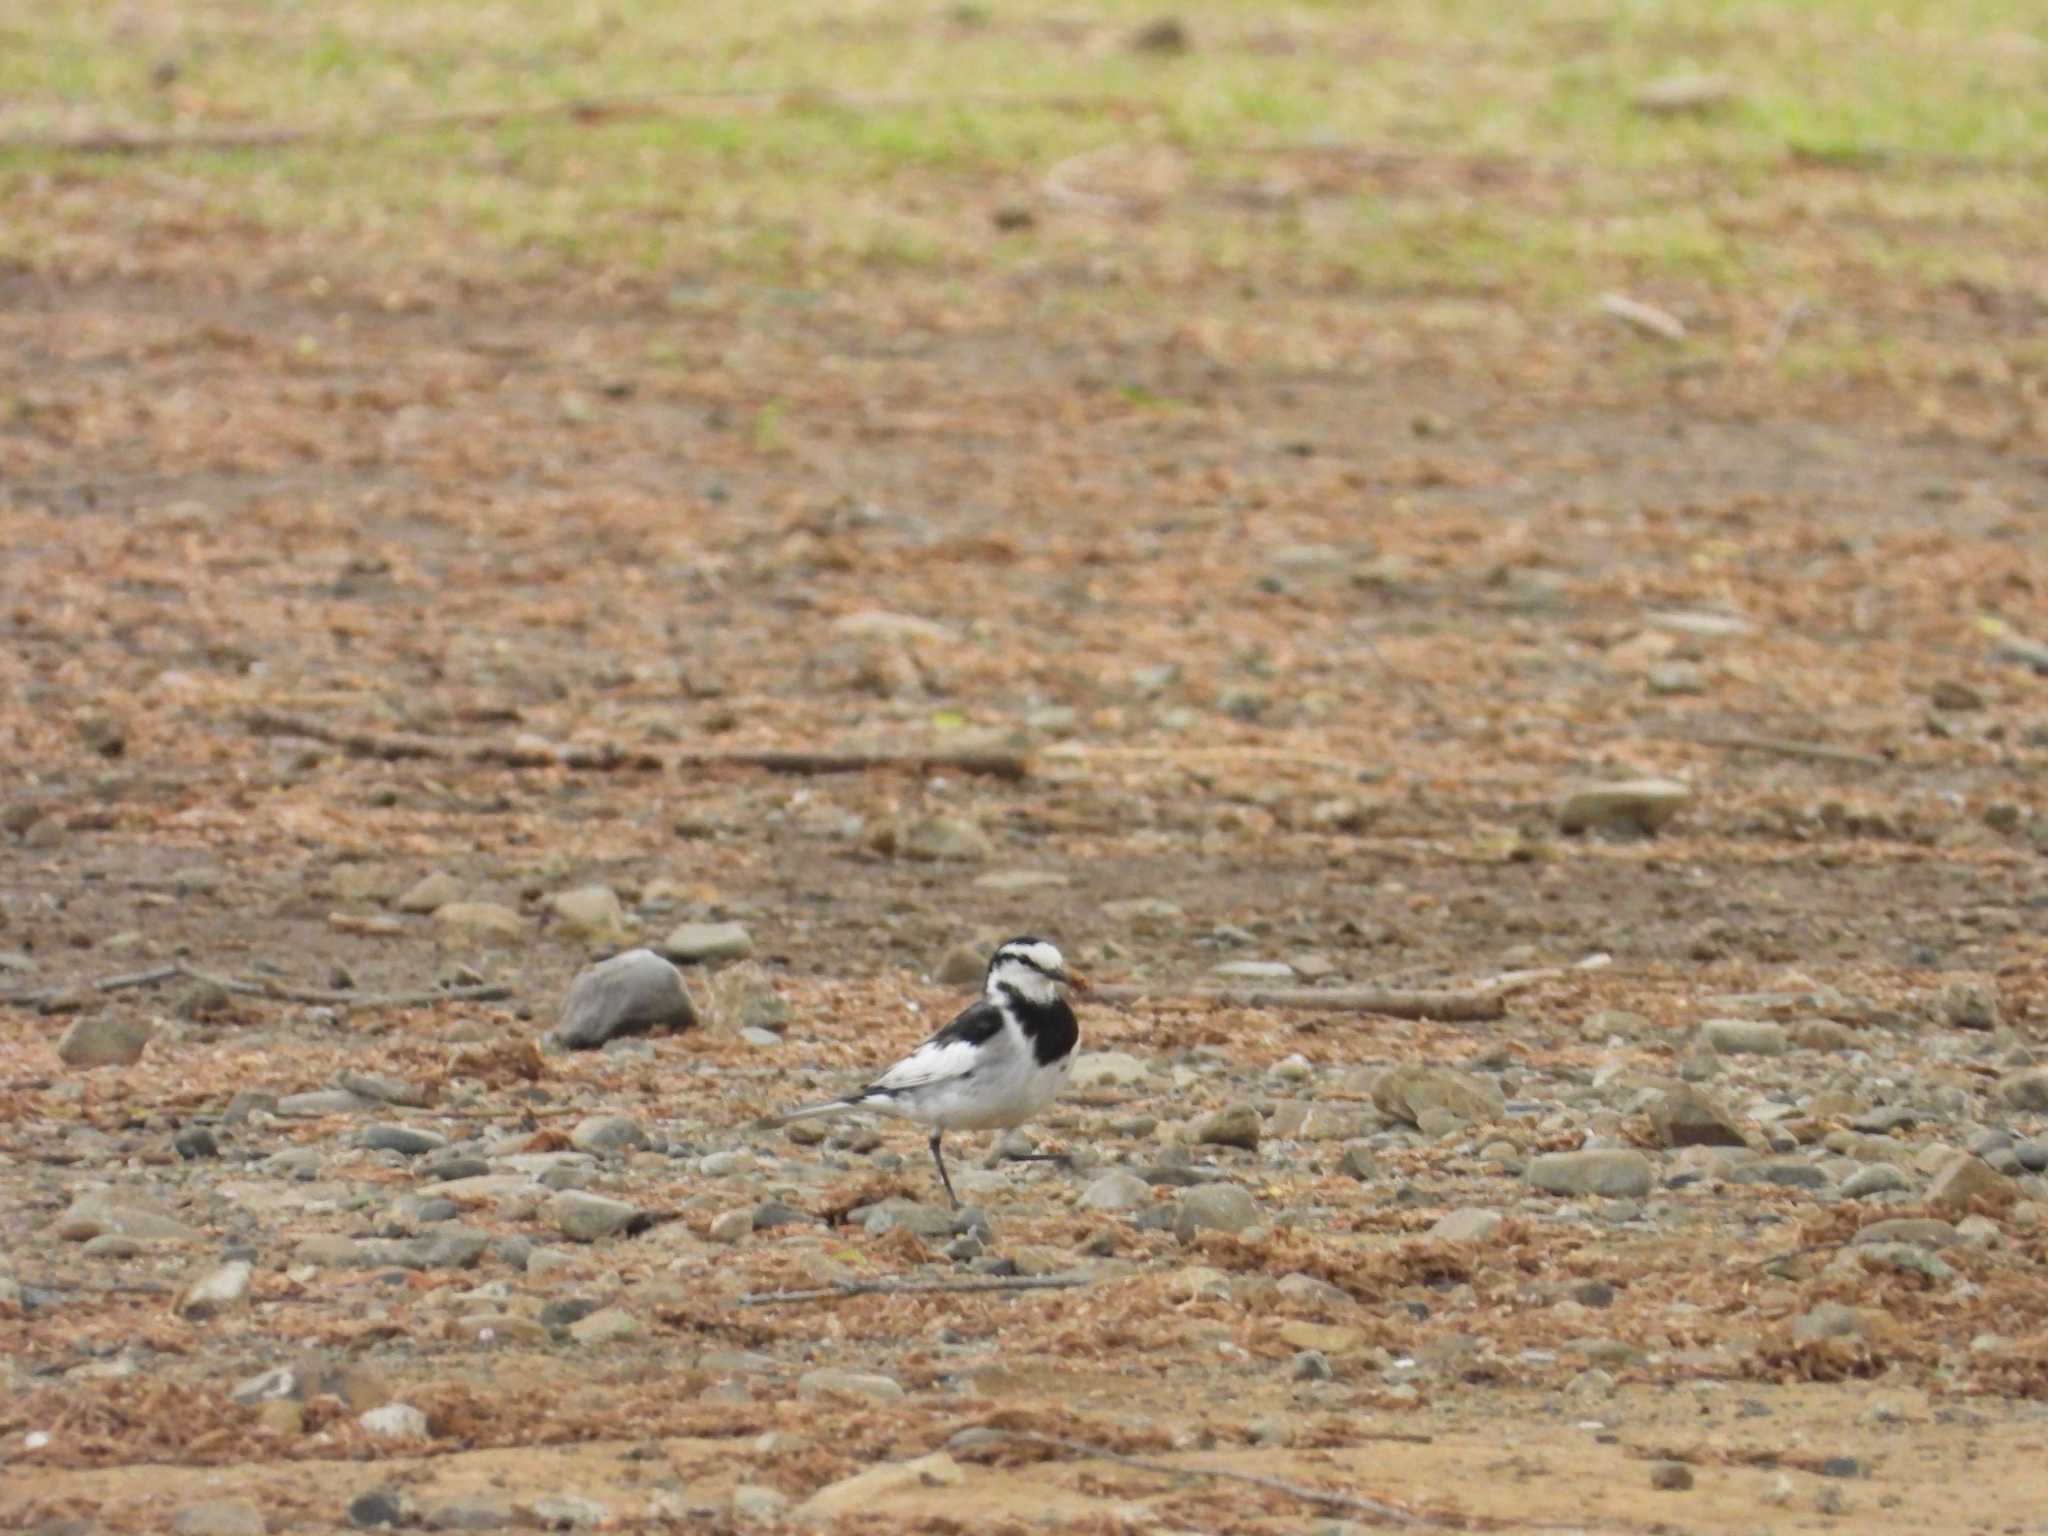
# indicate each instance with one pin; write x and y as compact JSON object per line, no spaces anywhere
{"x":999,"y":1063}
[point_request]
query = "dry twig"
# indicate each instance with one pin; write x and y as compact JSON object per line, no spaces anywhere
{"x":1811,"y":750}
{"x":42,"y":995}
{"x":484,"y":992}
{"x":277,"y":991}
{"x":391,"y":746}
{"x":1448,"y":1005}
{"x":846,"y":1288}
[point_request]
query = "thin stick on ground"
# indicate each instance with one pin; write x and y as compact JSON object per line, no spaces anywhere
{"x":845,"y":1288}
{"x":397,"y":746}
{"x":1813,"y":751}
{"x":42,"y":995}
{"x":486,"y":992}
{"x":1351,"y":1503}
{"x":1445,"y":1006}
{"x":482,"y":992}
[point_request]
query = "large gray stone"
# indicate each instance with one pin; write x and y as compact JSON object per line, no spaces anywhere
{"x":104,"y":1040}
{"x":625,"y":995}
{"x":1215,"y":1207}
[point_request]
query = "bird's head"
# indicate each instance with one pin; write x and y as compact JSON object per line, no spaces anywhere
{"x":1032,"y":968}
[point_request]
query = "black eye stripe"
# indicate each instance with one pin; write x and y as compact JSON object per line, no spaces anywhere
{"x":1023,"y":958}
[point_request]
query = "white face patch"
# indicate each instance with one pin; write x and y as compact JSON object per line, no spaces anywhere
{"x":1028,"y":969}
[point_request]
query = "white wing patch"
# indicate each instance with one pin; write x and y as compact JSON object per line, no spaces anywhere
{"x":938,"y":1061}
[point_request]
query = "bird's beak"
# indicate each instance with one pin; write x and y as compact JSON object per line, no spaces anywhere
{"x":1075,"y":980}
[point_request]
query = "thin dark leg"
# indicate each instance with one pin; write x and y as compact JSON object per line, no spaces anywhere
{"x":943,"y":1179}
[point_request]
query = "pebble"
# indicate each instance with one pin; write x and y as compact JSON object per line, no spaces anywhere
{"x":607,"y":1325}
{"x":431,"y":893}
{"x":837,"y":1383}
{"x":1310,"y":1365}
{"x":1407,"y":1093}
{"x":852,"y":1494}
{"x":1471,"y":1225}
{"x":104,"y":1040}
{"x":1829,"y":1320}
{"x":1671,"y":1476}
{"x":406,"y":1140}
{"x":1873,"y":1179}
{"x":702,"y":943}
{"x":1254,"y":970}
{"x":590,"y":912}
{"x":382,"y":1507}
{"x":487,"y":922}
{"x":604,"y":1135}
{"x":1784,"y":1172}
{"x":1744,"y":1037}
{"x":395,"y":1421}
{"x":1631,"y":805}
{"x":321,"y":1101}
{"x":731,"y":1226}
{"x":1616,"y":1173}
{"x":1683,"y":1116}
{"x":215,"y":1292}
{"x":195,"y":1141}
{"x":1964,"y":1179}
{"x":1904,"y":1258}
{"x":1324,"y":1338}
{"x":219,"y":1517}
{"x":628,"y":994}
{"x":1967,"y":1004}
{"x":944,"y":839}
{"x":1214,"y":1207}
{"x":758,"y":1504}
{"x":90,"y":1216}
{"x":1236,"y":1125}
{"x":459,"y":1165}
{"x":1116,"y":1190}
{"x":1359,"y":1162}
{"x":964,"y":966}
{"x":2026,"y":1091}
{"x":584,"y":1218}
{"x":1105,"y":1069}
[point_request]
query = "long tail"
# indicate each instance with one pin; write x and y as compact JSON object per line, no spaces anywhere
{"x":809,"y":1112}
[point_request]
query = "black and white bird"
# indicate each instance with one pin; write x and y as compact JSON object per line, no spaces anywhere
{"x":999,"y":1063}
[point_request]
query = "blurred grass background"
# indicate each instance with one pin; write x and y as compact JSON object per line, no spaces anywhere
{"x":1848,"y":153}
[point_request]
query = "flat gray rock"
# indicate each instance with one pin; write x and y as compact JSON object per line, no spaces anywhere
{"x":1744,"y":1037}
{"x":1214,"y":1207}
{"x":1617,"y":1173}
{"x":1630,"y":805}
{"x":584,"y":1218}
{"x":608,"y":1134}
{"x":1408,"y":1093}
{"x":701,"y":943}
{"x":1683,"y":1116}
{"x":625,"y":995}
